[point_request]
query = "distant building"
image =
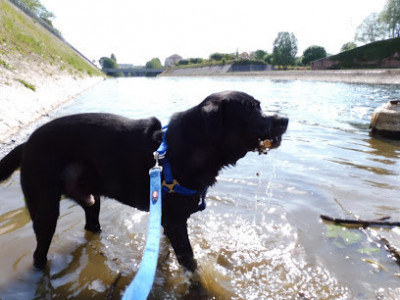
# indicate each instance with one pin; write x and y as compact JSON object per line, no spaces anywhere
{"x":244,"y":56}
{"x":172,"y":60}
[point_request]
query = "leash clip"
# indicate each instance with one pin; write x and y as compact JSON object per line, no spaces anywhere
{"x":157,"y":157}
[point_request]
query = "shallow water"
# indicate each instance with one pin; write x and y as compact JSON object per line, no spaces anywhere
{"x":261,"y":236}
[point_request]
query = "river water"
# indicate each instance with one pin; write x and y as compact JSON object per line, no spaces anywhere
{"x":261,"y":236}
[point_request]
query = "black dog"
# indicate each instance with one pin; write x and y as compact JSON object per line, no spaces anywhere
{"x":86,"y":156}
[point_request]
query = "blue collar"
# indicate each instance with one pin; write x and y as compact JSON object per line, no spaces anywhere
{"x":171,"y":185}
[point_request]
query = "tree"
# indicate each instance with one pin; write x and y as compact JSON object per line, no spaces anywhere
{"x":260,"y":54}
{"x":196,"y":60}
{"x":391,"y":17}
{"x":285,"y":49}
{"x":154,"y":63}
{"x":268,"y":58}
{"x":216,"y":56}
{"x":219,"y":56}
{"x":40,"y":10}
{"x":313,"y":53}
{"x":182,"y":62}
{"x":110,"y":63}
{"x":348,"y":46}
{"x":372,"y":29}
{"x":107,"y":63}
{"x":113,"y":57}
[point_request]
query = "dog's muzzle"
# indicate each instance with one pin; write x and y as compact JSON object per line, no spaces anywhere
{"x":273,"y":141}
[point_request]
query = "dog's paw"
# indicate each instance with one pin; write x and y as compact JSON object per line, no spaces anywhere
{"x":39,"y":265}
{"x":93,"y":228}
{"x":197,"y":289}
{"x":188,"y":262}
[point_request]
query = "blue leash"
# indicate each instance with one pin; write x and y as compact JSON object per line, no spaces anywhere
{"x":140,"y":287}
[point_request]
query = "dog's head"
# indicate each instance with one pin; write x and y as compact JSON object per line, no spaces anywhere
{"x":235,"y":120}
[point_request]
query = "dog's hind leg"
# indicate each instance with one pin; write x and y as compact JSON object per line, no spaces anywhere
{"x":42,"y":191}
{"x":44,"y":213}
{"x":44,"y":229}
{"x":92,"y":216}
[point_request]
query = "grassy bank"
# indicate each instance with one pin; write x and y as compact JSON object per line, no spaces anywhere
{"x":369,"y":56}
{"x":21,"y":36}
{"x":38,"y":71}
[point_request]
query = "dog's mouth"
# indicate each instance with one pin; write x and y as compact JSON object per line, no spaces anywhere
{"x":265,"y":145}
{"x":273,"y":138}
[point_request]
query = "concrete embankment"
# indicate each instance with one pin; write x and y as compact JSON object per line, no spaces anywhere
{"x":202,"y":71}
{"x":371,"y":76}
{"x":21,"y":106}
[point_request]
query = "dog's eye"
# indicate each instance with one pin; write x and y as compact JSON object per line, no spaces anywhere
{"x":252,"y":106}
{"x":249,"y":106}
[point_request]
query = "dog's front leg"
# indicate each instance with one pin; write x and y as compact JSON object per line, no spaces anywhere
{"x":176,"y":231}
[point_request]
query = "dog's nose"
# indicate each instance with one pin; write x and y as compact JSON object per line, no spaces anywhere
{"x":280,"y":124}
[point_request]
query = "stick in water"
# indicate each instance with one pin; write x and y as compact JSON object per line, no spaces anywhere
{"x":361,"y":223}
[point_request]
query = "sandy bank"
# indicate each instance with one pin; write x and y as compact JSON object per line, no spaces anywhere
{"x":375,"y":76}
{"x":20,"y":105}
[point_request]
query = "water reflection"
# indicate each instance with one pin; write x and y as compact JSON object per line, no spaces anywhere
{"x":384,"y":147}
{"x":261,"y":235}
{"x":376,"y":170}
{"x":14,"y":220}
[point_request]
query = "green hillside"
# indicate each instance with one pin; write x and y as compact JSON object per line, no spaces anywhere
{"x":374,"y":55}
{"x":22,"y":37}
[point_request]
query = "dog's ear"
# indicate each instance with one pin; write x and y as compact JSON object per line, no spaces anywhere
{"x":212,"y":113}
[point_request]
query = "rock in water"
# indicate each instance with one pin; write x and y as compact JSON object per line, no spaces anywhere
{"x":385,"y":120}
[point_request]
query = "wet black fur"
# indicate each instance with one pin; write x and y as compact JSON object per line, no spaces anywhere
{"x":109,"y":155}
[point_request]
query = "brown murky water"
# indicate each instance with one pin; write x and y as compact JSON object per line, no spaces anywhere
{"x":261,"y":236}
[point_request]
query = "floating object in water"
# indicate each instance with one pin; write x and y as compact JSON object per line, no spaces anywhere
{"x":386,"y":120}
{"x":360,"y":223}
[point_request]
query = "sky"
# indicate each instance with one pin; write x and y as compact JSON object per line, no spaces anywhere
{"x":137,"y":31}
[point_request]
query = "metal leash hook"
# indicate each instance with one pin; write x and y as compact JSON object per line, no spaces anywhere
{"x":157,"y":157}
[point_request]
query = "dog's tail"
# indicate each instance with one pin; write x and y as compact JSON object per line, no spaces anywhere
{"x":11,"y":162}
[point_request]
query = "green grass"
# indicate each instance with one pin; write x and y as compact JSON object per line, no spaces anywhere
{"x":5,"y":64}
{"x":19,"y":33}
{"x":367,"y":56}
{"x":26,"y":84}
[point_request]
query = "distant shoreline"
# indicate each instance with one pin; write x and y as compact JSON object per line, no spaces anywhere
{"x":369,"y":76}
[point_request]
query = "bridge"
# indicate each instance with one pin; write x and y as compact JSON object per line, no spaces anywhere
{"x":134,"y":71}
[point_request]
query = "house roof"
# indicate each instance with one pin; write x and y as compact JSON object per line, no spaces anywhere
{"x":175,"y":56}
